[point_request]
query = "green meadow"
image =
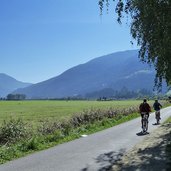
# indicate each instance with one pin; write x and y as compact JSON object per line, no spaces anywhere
{"x":19,"y":139}
{"x":38,"y":110}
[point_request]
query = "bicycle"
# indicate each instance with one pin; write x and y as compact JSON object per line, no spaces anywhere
{"x":145,"y":122}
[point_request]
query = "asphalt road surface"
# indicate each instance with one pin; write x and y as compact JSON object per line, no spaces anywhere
{"x":95,"y":152}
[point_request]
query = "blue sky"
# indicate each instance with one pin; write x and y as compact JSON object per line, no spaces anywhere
{"x":40,"y":39}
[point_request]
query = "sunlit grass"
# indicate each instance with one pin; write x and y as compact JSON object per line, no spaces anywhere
{"x":34,"y":111}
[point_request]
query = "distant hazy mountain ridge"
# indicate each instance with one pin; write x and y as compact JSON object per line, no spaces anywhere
{"x":9,"y":84}
{"x":117,"y":70}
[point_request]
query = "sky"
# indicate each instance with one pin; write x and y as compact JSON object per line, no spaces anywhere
{"x":40,"y":39}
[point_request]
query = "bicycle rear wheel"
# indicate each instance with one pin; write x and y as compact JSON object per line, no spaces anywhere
{"x":158,"y":117}
{"x":145,"y":125}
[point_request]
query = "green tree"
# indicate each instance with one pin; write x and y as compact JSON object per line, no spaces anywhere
{"x":150,"y":26}
{"x":16,"y":97}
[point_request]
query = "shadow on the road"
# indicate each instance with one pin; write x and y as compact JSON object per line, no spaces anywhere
{"x":152,"y":158}
{"x":156,"y":124}
{"x":142,"y":133}
{"x":104,"y":162}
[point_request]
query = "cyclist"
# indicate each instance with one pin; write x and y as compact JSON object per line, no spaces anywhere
{"x":144,"y":109}
{"x":157,"y":106}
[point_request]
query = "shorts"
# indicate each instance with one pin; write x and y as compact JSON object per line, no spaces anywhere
{"x":142,"y":114}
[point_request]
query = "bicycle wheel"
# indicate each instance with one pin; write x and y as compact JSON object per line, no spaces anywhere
{"x":145,"y":125}
{"x":158,"y":117}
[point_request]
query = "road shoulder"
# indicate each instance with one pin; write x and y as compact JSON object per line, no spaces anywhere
{"x":149,"y":154}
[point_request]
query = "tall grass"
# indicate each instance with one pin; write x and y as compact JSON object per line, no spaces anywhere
{"x":18,"y":140}
{"x":12,"y":131}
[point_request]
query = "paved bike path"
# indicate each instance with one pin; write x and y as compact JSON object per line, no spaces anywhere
{"x":90,"y":153}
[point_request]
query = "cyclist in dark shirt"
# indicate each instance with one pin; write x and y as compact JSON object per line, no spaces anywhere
{"x":144,"y":109}
{"x":157,"y":106}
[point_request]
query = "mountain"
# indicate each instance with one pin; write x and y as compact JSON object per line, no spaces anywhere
{"x":117,"y":70}
{"x":9,"y":84}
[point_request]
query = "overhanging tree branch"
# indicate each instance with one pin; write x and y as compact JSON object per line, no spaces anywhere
{"x":151,"y":28}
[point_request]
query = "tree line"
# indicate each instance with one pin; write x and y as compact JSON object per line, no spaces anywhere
{"x":123,"y":93}
{"x":16,"y":97}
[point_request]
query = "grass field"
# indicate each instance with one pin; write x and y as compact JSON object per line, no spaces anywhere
{"x":35,"y":111}
{"x":18,"y":139}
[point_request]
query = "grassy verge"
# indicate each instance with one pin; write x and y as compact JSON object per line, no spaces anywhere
{"x":168,"y":147}
{"x":37,"y":142}
{"x":168,"y":120}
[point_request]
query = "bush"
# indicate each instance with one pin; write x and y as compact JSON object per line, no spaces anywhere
{"x":7,"y":153}
{"x":47,"y":127}
{"x":85,"y":117}
{"x":12,"y":131}
{"x":30,"y":144}
{"x":93,"y":115}
{"x":57,"y":135}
